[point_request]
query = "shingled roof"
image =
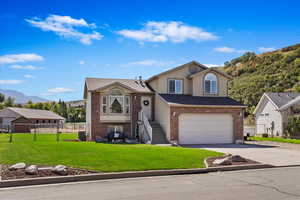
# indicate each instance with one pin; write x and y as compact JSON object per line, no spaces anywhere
{"x":282,"y":98}
{"x":97,"y":83}
{"x":35,"y":113}
{"x":293,"y":102}
{"x":200,"y":100}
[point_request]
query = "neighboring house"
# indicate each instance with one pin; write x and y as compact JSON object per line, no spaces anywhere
{"x":273,"y":110}
{"x":21,"y":119}
{"x":188,"y":104}
{"x":75,"y":104}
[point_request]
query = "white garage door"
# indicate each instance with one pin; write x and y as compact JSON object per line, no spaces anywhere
{"x":205,"y":128}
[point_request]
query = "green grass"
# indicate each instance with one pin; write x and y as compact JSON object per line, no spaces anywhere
{"x":292,"y":141}
{"x":100,"y":157}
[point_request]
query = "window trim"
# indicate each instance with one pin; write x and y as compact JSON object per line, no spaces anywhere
{"x":126,"y":105}
{"x":175,"y":79}
{"x":104,"y":104}
{"x":210,"y":85}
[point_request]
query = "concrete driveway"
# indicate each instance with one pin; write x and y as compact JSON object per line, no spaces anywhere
{"x":272,"y":153}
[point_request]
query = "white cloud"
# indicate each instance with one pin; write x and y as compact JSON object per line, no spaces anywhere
{"x":229,"y":50}
{"x":29,"y":76}
{"x":19,"y":58}
{"x":149,"y":63}
{"x":10,"y":82}
{"x":58,"y":90}
{"x":27,"y":67}
{"x":82,"y":62}
{"x":265,"y":49}
{"x":174,"y":31}
{"x":67,"y":27}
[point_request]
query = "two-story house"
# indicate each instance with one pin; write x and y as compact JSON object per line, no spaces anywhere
{"x":189,"y":103}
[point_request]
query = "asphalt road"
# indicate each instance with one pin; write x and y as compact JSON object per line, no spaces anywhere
{"x":276,"y":183}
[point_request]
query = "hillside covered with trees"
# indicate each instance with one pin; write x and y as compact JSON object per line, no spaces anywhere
{"x":276,"y":71}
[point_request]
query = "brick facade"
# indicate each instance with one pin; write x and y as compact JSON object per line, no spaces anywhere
{"x":100,"y":129}
{"x":237,"y":114}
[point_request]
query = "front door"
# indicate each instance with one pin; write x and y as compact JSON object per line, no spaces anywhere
{"x":147,"y":106}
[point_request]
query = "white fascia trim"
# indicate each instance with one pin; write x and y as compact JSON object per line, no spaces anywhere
{"x":260,"y":102}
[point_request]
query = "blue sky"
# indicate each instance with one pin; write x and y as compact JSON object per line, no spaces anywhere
{"x":47,"y":48}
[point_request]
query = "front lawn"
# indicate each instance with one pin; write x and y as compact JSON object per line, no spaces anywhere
{"x":100,"y":157}
{"x":275,"y":139}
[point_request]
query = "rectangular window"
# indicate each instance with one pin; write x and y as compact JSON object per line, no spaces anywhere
{"x":127,"y":104}
{"x":175,"y":86}
{"x":104,"y":104}
{"x":207,"y":87}
{"x":214,"y":87}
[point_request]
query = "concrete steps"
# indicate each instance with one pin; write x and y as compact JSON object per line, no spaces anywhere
{"x":158,"y":135}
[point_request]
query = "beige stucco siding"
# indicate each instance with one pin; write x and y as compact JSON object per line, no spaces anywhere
{"x":198,"y":84}
{"x":160,"y":84}
{"x":162,"y":115}
{"x":263,"y":121}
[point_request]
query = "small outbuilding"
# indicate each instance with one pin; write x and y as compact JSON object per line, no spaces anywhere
{"x":23,"y":119}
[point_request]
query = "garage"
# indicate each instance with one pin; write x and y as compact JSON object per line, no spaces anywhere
{"x":205,"y":128}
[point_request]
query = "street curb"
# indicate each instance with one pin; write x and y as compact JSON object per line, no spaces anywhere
{"x":106,"y":176}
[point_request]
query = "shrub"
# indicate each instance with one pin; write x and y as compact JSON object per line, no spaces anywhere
{"x":292,"y":129}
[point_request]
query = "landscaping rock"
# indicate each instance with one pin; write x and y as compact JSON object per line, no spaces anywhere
{"x":60,"y":170}
{"x":174,"y":144}
{"x":237,"y":158}
{"x":223,"y":161}
{"x":17,"y":166}
{"x":31,"y":170}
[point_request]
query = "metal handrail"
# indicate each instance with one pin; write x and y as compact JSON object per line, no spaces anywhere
{"x":146,"y":124}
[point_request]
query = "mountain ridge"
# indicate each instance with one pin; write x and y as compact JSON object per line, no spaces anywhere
{"x":20,"y":97}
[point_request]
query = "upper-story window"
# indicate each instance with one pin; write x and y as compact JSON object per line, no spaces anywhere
{"x":175,"y":86}
{"x":210,"y":82}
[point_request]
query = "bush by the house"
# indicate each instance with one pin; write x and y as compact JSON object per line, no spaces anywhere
{"x":292,"y":129}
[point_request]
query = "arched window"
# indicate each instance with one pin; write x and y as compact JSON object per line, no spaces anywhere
{"x":210,"y":82}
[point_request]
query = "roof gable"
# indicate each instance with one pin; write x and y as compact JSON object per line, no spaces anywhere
{"x":116,"y":84}
{"x":211,"y":70}
{"x":177,"y":68}
{"x":92,"y":84}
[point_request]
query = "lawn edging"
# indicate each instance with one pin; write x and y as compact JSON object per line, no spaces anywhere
{"x":275,"y":139}
{"x":120,"y":175}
